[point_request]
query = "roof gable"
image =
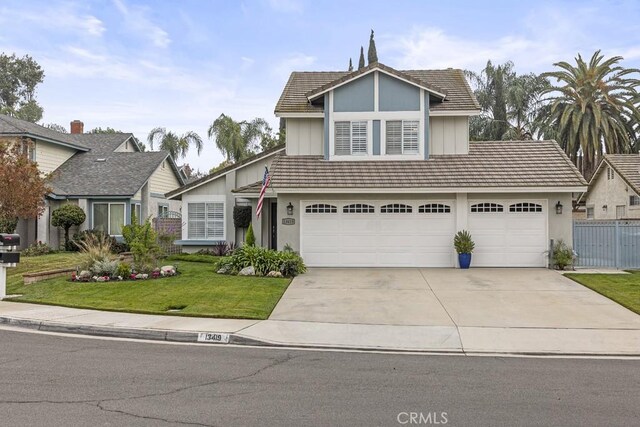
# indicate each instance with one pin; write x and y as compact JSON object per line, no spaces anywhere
{"x":625,"y":165}
{"x":11,"y":126}
{"x":375,"y":66}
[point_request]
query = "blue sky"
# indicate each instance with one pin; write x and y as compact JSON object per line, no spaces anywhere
{"x":134,"y":65}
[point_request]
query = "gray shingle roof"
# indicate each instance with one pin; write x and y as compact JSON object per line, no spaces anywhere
{"x":489,"y":164}
{"x":451,"y":81}
{"x":101,"y":142}
{"x":121,"y":174}
{"x":10,"y":126}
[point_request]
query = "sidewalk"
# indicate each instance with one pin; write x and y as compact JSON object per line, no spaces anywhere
{"x":436,"y":339}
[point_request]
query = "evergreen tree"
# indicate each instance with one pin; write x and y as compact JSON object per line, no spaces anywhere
{"x":372,"y":54}
{"x":350,"y":65}
{"x":361,"y":61}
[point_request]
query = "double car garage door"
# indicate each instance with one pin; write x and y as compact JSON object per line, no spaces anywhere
{"x":420,"y":234}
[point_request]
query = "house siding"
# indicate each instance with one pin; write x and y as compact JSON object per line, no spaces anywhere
{"x":396,"y":95}
{"x":449,"y":135}
{"x":304,"y":137}
{"x":163,"y":179}
{"x":611,"y":193}
{"x":356,"y":96}
{"x":50,"y":156}
{"x":126,"y":147}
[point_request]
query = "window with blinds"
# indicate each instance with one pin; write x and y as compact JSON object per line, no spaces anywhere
{"x":350,"y":138}
{"x":205,"y":221}
{"x":402,"y":136}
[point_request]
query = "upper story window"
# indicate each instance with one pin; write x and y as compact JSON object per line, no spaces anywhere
{"x":634,"y":200}
{"x":402,"y":136}
{"x":350,"y":138}
{"x":610,"y":173}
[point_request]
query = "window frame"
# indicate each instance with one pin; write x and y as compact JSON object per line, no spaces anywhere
{"x":136,"y":209}
{"x":321,"y":208}
{"x":365,"y":123}
{"x":486,"y":207}
{"x":632,"y":198}
{"x":109,"y":204}
{"x":403,"y":140}
{"x":525,"y":207}
{"x":162,"y":208}
{"x":205,"y":220}
{"x":593,"y":212}
{"x":434,"y":208}
{"x":396,"y":208}
{"x":358,"y":208}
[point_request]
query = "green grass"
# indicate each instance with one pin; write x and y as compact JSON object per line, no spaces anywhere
{"x":198,"y":291}
{"x":621,"y":288}
{"x":37,"y":264}
{"x":194,"y":258}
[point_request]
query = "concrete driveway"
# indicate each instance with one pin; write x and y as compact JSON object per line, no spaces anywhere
{"x":477,"y":309}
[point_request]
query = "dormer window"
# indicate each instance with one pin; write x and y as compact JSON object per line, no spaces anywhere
{"x":350,"y":138}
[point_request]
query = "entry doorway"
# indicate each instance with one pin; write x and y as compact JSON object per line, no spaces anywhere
{"x":273,"y":240}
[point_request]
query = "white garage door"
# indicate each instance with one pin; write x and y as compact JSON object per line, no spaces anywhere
{"x":509,"y":233}
{"x":377,"y":234}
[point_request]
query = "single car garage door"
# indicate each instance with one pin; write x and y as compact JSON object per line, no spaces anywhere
{"x":362,"y":233}
{"x":509,"y":233}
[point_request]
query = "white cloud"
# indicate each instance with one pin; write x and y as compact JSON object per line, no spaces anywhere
{"x":62,"y":17}
{"x":293,"y":62}
{"x":137,"y":22}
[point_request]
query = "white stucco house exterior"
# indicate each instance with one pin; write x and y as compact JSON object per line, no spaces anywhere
{"x":614,"y":189}
{"x":378,"y":170}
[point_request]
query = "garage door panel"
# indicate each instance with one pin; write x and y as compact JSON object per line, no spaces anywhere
{"x":377,"y":239}
{"x":509,"y":239}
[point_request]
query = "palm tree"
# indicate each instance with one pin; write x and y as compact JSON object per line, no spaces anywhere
{"x":176,"y":145}
{"x":238,"y":140}
{"x":594,"y":109}
{"x":523,"y":103}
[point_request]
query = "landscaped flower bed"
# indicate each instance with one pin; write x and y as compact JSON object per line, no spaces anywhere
{"x":157,"y":273}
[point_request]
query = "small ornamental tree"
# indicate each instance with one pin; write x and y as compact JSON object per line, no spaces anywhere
{"x":372,"y":54}
{"x":361,"y":60}
{"x":66,"y":217}
{"x":250,"y":240}
{"x":22,"y":187}
{"x":242,"y":216}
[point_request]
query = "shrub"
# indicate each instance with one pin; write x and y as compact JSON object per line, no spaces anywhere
{"x":562,"y":255}
{"x":263,"y":260}
{"x":123,"y":270}
{"x":38,"y":249}
{"x":66,"y":217}
{"x":95,"y":248}
{"x":250,"y":240}
{"x":104,"y":268}
{"x":8,"y":224}
{"x":463,"y":242}
{"x":78,"y":238}
{"x":242,"y":216}
{"x":142,"y":240}
{"x":220,"y":249}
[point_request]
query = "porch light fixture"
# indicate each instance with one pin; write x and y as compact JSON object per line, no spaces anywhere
{"x":559,"y":208}
{"x":289,"y":209}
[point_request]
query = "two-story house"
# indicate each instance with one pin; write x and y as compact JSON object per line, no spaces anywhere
{"x":378,"y":170}
{"x":107,"y":175}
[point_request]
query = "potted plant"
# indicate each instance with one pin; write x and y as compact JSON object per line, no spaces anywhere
{"x":464,"y":247}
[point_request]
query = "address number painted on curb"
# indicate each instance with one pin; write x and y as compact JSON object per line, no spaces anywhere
{"x":213,"y":337}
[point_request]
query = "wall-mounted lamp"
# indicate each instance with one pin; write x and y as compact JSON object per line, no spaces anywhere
{"x":289,"y":209}
{"x":559,"y":208}
{"x":604,"y":207}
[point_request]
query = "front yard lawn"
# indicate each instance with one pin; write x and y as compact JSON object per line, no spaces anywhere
{"x":621,"y":288}
{"x":197,"y":291}
{"x":36,"y":264}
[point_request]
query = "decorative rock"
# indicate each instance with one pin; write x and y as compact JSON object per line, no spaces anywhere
{"x":247,"y":271}
{"x":140,"y":276}
{"x":100,"y":279}
{"x":274,"y":274}
{"x":168,"y":270}
{"x":84,"y":274}
{"x":225,"y":269}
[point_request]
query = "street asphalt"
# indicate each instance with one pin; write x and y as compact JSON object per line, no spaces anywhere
{"x":53,"y":380}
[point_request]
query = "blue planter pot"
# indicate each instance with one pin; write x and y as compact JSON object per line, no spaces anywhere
{"x":464,"y":260}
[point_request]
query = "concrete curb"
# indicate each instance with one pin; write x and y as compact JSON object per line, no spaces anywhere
{"x":236,"y":339}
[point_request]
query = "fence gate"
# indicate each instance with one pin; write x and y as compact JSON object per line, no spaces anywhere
{"x":613,"y":244}
{"x":169,"y":228}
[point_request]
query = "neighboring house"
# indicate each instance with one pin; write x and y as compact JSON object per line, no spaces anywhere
{"x":614,"y":189}
{"x":105,"y":174}
{"x":378,"y":170}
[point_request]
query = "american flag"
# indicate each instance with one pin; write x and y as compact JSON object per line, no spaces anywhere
{"x":265,"y":183}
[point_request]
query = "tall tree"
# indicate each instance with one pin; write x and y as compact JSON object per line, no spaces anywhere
{"x":238,"y":140}
{"x":22,"y":186}
{"x":350,"y":65}
{"x":524,"y":103}
{"x":361,"y":60}
{"x":104,"y":130}
{"x":594,"y":108}
{"x":372,"y":53}
{"x":19,"y":78}
{"x":176,"y":145}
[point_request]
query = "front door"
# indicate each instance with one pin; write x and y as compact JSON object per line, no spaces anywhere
{"x":274,"y":225}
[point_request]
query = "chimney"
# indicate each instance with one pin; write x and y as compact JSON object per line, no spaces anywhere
{"x":77,"y":126}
